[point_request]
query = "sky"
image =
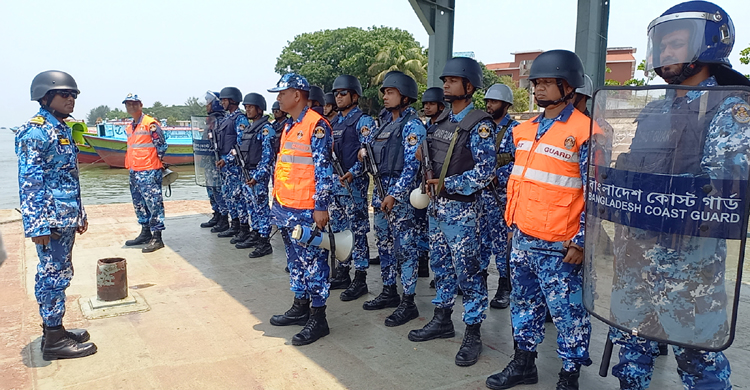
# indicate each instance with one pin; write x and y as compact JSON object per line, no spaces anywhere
{"x":167,"y":50}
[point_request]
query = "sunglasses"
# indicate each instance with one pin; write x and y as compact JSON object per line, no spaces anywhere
{"x":342,"y":92}
{"x":67,"y":94}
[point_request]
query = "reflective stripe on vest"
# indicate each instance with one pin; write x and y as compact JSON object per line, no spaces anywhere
{"x":545,"y":190}
{"x":294,"y":177}
{"x":141,"y":154}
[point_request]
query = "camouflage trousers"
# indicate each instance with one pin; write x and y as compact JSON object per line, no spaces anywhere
{"x":145,"y":189}
{"x":454,"y":257}
{"x":308,"y":269}
{"x":541,"y":280}
{"x":258,"y":208}
{"x":217,"y":201}
{"x":421,"y":224}
{"x":494,"y":232}
{"x":231,"y":191}
{"x":397,"y":246}
{"x":350,"y":212}
{"x":53,"y":275}
{"x":698,"y":369}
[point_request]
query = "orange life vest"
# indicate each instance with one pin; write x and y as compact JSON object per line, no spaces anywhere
{"x":294,"y":177}
{"x":141,"y":154}
{"x":545,"y":190}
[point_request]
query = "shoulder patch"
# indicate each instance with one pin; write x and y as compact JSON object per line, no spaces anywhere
{"x":265,"y":131}
{"x":320,"y":132}
{"x":300,"y":134}
{"x":412,"y":139}
{"x":37,"y":120}
{"x":570,"y":142}
{"x":484,"y":130}
{"x":152,"y":127}
{"x":741,"y":113}
{"x":242,"y":126}
{"x":365,"y":131}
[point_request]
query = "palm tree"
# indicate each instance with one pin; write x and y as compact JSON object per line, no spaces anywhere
{"x":408,"y":59}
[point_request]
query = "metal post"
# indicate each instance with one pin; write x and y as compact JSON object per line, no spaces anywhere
{"x":591,"y":38}
{"x":437,"y":18}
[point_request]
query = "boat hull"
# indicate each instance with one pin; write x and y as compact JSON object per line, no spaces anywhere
{"x":112,"y":152}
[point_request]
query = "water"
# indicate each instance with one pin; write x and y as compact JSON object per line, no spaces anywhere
{"x":99,"y":183}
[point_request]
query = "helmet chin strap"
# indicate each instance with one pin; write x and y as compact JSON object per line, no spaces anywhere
{"x":688,"y":71}
{"x":465,"y":96}
{"x":400,"y":106}
{"x":346,"y":107}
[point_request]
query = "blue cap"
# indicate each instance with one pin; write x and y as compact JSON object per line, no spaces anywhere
{"x":291,"y":80}
{"x":131,"y":98}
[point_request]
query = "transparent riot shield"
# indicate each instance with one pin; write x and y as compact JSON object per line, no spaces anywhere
{"x":667,"y":212}
{"x":206,"y":174}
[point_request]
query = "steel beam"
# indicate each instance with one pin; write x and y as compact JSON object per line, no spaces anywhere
{"x":591,"y":38}
{"x":437,"y":18}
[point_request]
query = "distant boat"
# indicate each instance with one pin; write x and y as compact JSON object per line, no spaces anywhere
{"x":110,"y":143}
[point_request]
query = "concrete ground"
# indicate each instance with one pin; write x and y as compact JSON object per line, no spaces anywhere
{"x":208,"y":327}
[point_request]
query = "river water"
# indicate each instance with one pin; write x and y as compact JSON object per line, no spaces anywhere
{"x":99,"y":183}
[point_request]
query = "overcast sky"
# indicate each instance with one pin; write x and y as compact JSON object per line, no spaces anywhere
{"x":169,"y":50}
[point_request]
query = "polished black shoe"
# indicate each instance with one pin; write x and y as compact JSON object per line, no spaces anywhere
{"x":213,"y":221}
{"x":388,"y":298}
{"x":263,"y":248}
{"x":520,"y":370}
{"x":423,"y":268}
{"x":375,"y":260}
{"x":234,"y":228}
{"x":439,"y":327}
{"x":242,"y":235}
{"x":432,"y":283}
{"x":357,"y":288}
{"x":58,"y":345}
{"x":298,"y":314}
{"x":142,"y":238}
{"x":548,"y":317}
{"x":315,"y":328}
{"x":221,"y":225}
{"x":342,"y":279}
{"x":286,"y":269}
{"x":77,"y":335}
{"x":251,"y":240}
{"x":502,"y":296}
{"x":568,"y":380}
{"x":405,"y":312}
{"x":663,"y":349}
{"x":155,"y":244}
{"x":471,"y":346}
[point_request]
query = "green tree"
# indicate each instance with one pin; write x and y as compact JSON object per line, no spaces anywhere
{"x":520,"y":95}
{"x":745,"y":58}
{"x":97,"y":113}
{"x":117,"y":114}
{"x":400,"y":56}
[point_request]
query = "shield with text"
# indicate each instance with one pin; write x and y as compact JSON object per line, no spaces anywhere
{"x":667,"y":211}
{"x":206,"y":173}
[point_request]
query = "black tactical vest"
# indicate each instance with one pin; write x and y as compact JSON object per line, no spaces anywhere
{"x":389,"y":148}
{"x":227,"y":134}
{"x":252,"y":145}
{"x":346,"y":140}
{"x":461,"y":159}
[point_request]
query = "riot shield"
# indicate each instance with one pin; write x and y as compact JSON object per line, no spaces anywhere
{"x":667,"y":212}
{"x":206,"y":174}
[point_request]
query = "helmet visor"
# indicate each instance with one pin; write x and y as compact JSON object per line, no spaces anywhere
{"x":210,"y":97}
{"x":675,"y":39}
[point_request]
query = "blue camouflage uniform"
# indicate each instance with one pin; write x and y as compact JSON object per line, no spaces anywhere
{"x":454,"y":229}
{"x":231,"y":173}
{"x":492,"y":226}
{"x":308,"y":265}
{"x":725,"y":156}
{"x":256,"y":196}
{"x":397,"y":241}
{"x":540,"y":280}
{"x":50,"y":197}
{"x":350,"y":212}
{"x":145,"y":186}
{"x":420,"y":215}
{"x":214,"y":191}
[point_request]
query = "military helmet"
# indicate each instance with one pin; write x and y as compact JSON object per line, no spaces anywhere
{"x":275,"y":106}
{"x":231,"y":93}
{"x":405,"y":85}
{"x":434,"y":94}
{"x":499,"y":92}
{"x":330,"y":99}
{"x":558,"y":64}
{"x":588,"y":87}
{"x":317,"y":95}
{"x":52,"y":80}
{"x":349,"y":82}
{"x":464,"y":67}
{"x":255,"y":99}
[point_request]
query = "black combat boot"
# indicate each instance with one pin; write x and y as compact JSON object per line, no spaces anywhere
{"x":357,"y":288}
{"x":502,"y":296}
{"x":568,"y":380}
{"x":155,"y":244}
{"x":423,"y":270}
{"x":405,"y":312}
{"x":520,"y":370}
{"x":439,"y":327}
{"x":57,"y":345}
{"x":250,"y":242}
{"x":471,"y":346}
{"x":242,"y":235}
{"x":77,"y":335}
{"x":315,"y":328}
{"x":388,"y":298}
{"x":548,"y":317}
{"x":263,"y":248}
{"x":375,"y":260}
{"x":234,"y":228}
{"x":142,"y":238}
{"x":342,"y":279}
{"x":663,"y":349}
{"x":213,"y":221}
{"x":296,"y":315}
{"x":221,"y":225}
